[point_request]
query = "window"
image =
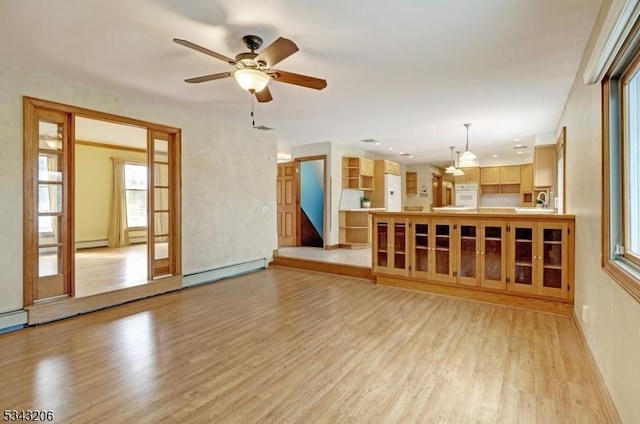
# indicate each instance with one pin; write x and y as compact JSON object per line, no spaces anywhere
{"x":135,"y":180}
{"x":621,"y":166}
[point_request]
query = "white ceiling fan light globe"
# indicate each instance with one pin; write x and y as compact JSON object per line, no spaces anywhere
{"x":251,"y":80}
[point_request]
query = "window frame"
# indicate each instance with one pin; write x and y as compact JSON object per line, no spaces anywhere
{"x":145,"y":190}
{"x":623,"y":267}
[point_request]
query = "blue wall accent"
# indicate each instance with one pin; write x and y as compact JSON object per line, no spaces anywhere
{"x":312,"y":192}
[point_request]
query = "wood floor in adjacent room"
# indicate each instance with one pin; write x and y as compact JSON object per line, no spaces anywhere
{"x":284,"y":345}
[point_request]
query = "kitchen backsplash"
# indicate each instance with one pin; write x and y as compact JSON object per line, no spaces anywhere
{"x":500,"y":200}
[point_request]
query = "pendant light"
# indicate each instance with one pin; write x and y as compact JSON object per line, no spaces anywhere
{"x":467,"y":156}
{"x":451,"y":168}
{"x":458,"y":172}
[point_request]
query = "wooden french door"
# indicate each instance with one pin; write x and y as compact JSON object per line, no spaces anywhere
{"x":287,"y":194}
{"x":48,"y":200}
{"x":163,"y":163}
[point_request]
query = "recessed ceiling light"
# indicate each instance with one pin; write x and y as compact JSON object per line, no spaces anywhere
{"x":516,"y":139}
{"x":390,"y":148}
{"x":519,"y":152}
{"x":411,"y":156}
{"x":519,"y":146}
{"x":494,"y":156}
{"x":377,"y":143}
{"x":401,"y":153}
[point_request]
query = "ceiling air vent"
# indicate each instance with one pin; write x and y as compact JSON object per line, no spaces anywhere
{"x":368,"y":140}
{"x":263,"y":128}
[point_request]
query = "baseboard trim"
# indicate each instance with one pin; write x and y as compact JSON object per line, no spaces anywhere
{"x":93,"y":244}
{"x":55,"y":309}
{"x":332,"y":247}
{"x":609,"y":406}
{"x":211,"y":275}
{"x":14,"y":320}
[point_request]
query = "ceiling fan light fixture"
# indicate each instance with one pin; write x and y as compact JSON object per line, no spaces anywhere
{"x":251,"y":80}
{"x":458,"y":172}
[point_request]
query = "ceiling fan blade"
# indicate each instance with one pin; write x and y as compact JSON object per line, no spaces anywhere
{"x":264,"y":95}
{"x":203,"y":50}
{"x":211,"y":77}
{"x":297,"y":79}
{"x":277,"y":51}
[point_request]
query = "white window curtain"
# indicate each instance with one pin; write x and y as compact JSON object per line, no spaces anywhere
{"x":118,"y":231}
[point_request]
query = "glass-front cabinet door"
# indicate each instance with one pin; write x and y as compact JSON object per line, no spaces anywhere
{"x":468,"y":252}
{"x":442,"y":240}
{"x":552,"y":259}
{"x":421,"y":248}
{"x":493,"y":257}
{"x":391,"y":241}
{"x":523,"y":257}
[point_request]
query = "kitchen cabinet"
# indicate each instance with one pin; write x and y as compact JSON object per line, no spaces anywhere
{"x":354,"y":229}
{"x":526,"y":185}
{"x":471,"y":175}
{"x":481,"y":258}
{"x":490,"y":176}
{"x":432,"y":248}
{"x":522,"y":255}
{"x":510,"y":174}
{"x":391,"y":246}
{"x":357,"y":173}
{"x":390,"y":167}
{"x":540,"y":258}
{"x":544,"y":165}
{"x":411,"y":183}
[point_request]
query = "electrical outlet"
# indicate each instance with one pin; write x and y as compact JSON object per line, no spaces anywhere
{"x":585,"y":314}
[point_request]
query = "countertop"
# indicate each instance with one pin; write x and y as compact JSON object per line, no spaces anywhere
{"x":364,"y":210}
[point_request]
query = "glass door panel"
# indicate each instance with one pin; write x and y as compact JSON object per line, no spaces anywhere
{"x":553,"y":260}
{"x":442,"y":258}
{"x":523,"y":255}
{"x":421,"y":249}
{"x":492,"y":253}
{"x":161,"y":195}
{"x":47,"y":150}
{"x":468,"y":253}
{"x":382,"y":230}
{"x":400,"y":245}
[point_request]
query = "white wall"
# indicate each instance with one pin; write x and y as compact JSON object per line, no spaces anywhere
{"x":228,"y":173}
{"x":613,"y":333}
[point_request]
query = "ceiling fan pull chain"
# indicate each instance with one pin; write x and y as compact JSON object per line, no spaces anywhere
{"x":253,"y":121}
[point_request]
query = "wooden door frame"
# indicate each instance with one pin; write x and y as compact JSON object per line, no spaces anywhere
{"x":438,"y":178}
{"x":325,"y":199}
{"x":30,"y":262}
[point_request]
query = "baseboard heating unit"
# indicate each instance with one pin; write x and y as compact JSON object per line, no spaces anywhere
{"x":211,"y":275}
{"x":10,"y":321}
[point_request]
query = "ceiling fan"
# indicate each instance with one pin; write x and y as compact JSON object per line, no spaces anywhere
{"x":253,"y":71}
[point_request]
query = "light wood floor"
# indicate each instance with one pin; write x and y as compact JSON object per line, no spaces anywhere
{"x":284,"y":345}
{"x":106,"y":269}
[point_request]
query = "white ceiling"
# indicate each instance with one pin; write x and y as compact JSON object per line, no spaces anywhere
{"x":408,"y":75}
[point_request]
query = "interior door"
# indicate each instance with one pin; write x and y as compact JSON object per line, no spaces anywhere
{"x":48,"y":234}
{"x":162,"y":219}
{"x":287,"y":194}
{"x":437,"y":190}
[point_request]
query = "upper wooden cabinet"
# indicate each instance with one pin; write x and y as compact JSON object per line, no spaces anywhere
{"x":411,"y":183}
{"x":471,"y":175}
{"x":392,"y":168}
{"x":490,"y":176}
{"x":510,"y":175}
{"x":526,"y":178}
{"x":544,"y":161}
{"x":357,"y":173}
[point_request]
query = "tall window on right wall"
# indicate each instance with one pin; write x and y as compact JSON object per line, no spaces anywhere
{"x":621,"y":166}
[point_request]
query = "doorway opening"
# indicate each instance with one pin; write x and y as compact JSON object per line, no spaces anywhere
{"x":59,"y":220}
{"x":312,"y":201}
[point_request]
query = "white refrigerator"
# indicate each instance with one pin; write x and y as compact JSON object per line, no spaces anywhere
{"x":392,"y":192}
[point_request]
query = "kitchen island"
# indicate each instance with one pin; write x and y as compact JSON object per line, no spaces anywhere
{"x":523,"y":254}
